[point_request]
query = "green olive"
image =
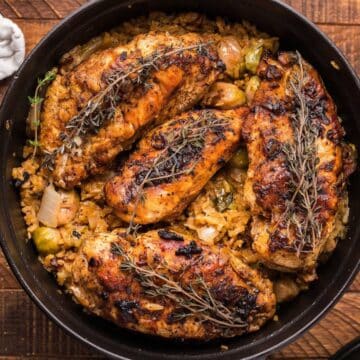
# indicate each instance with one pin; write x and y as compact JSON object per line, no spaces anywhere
{"x":252,"y":57}
{"x":240,"y":160}
{"x":46,"y":240}
{"x":251,"y":86}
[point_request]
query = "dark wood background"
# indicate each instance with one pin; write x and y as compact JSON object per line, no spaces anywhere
{"x":26,"y":333}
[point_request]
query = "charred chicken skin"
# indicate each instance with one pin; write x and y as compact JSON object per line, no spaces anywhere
{"x":172,"y":163}
{"x":167,"y":284}
{"x":100,"y":108}
{"x":295,"y":175}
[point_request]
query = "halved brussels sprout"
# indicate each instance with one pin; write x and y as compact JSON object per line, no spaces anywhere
{"x":224,"y":96}
{"x":252,"y":57}
{"x":224,"y":196}
{"x":47,"y":240}
{"x":251,"y":86}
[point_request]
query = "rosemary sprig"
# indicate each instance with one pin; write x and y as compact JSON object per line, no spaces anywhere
{"x":35,"y":103}
{"x":181,"y":147}
{"x":302,"y":211}
{"x":194,"y":299}
{"x":102,"y":106}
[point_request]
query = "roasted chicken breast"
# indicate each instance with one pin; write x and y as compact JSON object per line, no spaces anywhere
{"x":294,"y":141}
{"x":97,"y":110}
{"x":169,"y":285}
{"x":172,"y":163}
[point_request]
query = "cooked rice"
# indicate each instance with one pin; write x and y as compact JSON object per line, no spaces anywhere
{"x":227,"y":225}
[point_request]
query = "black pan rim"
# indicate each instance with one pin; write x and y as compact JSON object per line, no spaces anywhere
{"x":299,"y":324}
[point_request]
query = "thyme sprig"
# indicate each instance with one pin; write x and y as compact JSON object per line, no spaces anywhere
{"x":101,"y":108}
{"x":35,"y":102}
{"x":195,"y":299}
{"x":302,"y":211}
{"x":181,"y":147}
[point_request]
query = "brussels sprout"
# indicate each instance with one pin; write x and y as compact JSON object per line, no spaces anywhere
{"x":251,"y":87}
{"x":224,"y":96}
{"x":252,"y":57}
{"x":224,"y":196}
{"x":240,"y":159}
{"x":46,"y":240}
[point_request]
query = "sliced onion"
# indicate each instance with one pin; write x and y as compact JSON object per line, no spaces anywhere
{"x":50,"y":207}
{"x":231,"y":54}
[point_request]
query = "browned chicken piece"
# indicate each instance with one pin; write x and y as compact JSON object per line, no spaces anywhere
{"x":172,"y":163}
{"x":97,"y":110}
{"x":295,"y":175}
{"x":169,"y":285}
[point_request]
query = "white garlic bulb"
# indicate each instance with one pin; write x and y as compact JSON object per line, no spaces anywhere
{"x":12,"y":47}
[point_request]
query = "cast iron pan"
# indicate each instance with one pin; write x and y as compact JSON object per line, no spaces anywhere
{"x":295,"y":32}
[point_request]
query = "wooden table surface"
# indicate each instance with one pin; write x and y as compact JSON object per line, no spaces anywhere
{"x":26,"y":332}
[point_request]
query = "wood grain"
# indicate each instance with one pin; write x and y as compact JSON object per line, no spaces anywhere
{"x":7,"y":280}
{"x":329,"y":12}
{"x":38,"y":9}
{"x":347,"y":38}
{"x":355,"y":286}
{"x":319,"y":11}
{"x":34,"y":30}
{"x":338,"y":328}
{"x":26,"y":333}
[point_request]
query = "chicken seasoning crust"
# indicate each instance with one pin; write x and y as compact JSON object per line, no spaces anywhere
{"x":183,"y":177}
{"x":172,"y":164}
